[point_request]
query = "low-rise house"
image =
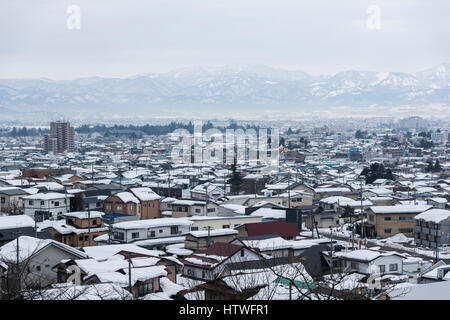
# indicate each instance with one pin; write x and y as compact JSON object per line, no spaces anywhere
{"x":150,"y":268}
{"x":31,"y":265}
{"x":221,"y":222}
{"x":131,"y":231}
{"x":207,"y":191}
{"x":79,"y":228}
{"x":437,"y":202}
{"x":44,"y":206}
{"x":13,"y":226}
{"x":322,"y":219}
{"x":283,"y":229}
{"x":204,"y":238}
{"x":320,"y":193}
{"x":11,"y":200}
{"x":269,"y":245}
{"x":149,"y":202}
{"x":188,"y":208}
{"x":366,"y":261}
{"x":432,"y":228}
{"x":208,"y":264}
{"x":123,"y":203}
{"x":386,"y":221}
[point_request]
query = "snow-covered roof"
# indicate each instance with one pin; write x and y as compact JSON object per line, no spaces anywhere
{"x":400,"y":209}
{"x":153,"y":223}
{"x":269,"y":213}
{"x":213,"y":233}
{"x":108,"y":251}
{"x":145,"y":194}
{"x":363,"y":254}
{"x":323,"y":190}
{"x":18,"y":221}
{"x":29,"y":246}
{"x":434,"y":215}
{"x":126,"y":197}
{"x":100,"y":291}
{"x":48,"y":196}
{"x":84,"y":214}
{"x":428,"y":291}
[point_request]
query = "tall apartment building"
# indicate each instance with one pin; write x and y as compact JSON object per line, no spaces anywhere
{"x":61,"y":138}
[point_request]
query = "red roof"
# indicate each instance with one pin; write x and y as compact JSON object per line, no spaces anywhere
{"x":281,"y":228}
{"x":221,"y":249}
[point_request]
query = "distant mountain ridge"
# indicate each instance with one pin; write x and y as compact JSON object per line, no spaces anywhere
{"x":231,"y":88}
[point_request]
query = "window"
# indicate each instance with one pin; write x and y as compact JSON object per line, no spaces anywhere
{"x":118,"y":207}
{"x":3,"y":199}
{"x":86,"y":238}
{"x":194,"y":228}
{"x":94,"y":222}
{"x":371,"y":218}
{"x":30,"y":202}
{"x":145,"y":288}
{"x":393,"y":267}
{"x":405,"y":218}
{"x":135,"y":235}
{"x":119,"y":235}
{"x":211,"y":210}
{"x":382,"y":268}
{"x":197,"y":211}
{"x":56,"y":203}
{"x":174,"y":230}
{"x":387,"y":219}
{"x":242,"y":253}
{"x":203,"y":274}
{"x":225,"y":226}
{"x":108,"y":207}
{"x":354,"y":265}
{"x":160,"y":230}
{"x":80,"y":238}
{"x":38,"y":268}
{"x":152,"y":234}
{"x":405,"y":230}
{"x":42,"y":203}
{"x":387,"y":230}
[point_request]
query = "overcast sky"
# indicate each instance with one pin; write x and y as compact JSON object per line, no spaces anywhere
{"x":120,"y":38}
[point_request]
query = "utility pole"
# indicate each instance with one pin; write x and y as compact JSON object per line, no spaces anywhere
{"x":208,"y":244}
{"x":129,"y":273}
{"x":363,"y":226}
{"x":89,"y":225}
{"x":35,"y":226}
{"x":206,"y":202}
{"x":331,"y":250}
{"x":17,"y":234}
{"x":289,"y":190}
{"x":169,"y":183}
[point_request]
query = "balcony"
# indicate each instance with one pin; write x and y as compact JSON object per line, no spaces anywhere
{"x":418,"y":229}
{"x":425,"y":230}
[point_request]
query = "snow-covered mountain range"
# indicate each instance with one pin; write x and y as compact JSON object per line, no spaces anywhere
{"x":229,"y":89}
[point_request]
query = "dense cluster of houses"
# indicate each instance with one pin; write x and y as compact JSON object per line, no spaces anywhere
{"x":118,"y":219}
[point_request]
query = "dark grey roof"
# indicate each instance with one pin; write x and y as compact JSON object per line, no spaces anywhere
{"x":13,"y":192}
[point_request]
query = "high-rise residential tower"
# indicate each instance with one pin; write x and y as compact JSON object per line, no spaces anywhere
{"x":61,"y":138}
